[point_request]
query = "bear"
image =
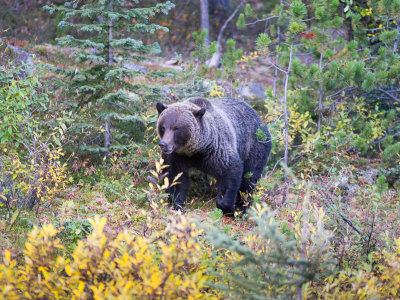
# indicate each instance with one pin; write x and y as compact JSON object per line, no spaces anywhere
{"x":217,"y":137}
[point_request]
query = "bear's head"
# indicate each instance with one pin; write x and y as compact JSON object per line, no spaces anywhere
{"x":178,"y":127}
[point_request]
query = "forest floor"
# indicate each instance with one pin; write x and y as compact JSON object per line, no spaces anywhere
{"x":346,"y":190}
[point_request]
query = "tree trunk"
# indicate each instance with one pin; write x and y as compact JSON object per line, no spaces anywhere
{"x":286,"y":113}
{"x":205,"y":23}
{"x":107,"y":137}
{"x":107,"y":129}
{"x":216,"y":58}
{"x":395,"y":45}
{"x":347,"y":22}
{"x":278,"y":33}
{"x":321,"y":86}
{"x":275,"y":82}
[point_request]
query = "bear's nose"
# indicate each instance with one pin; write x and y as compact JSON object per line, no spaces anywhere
{"x":162,"y":144}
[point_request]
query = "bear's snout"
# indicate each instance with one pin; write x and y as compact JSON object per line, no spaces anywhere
{"x":165,"y":148}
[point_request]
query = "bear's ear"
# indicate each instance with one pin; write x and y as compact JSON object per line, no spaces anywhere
{"x":199,"y":113}
{"x":160,"y":107}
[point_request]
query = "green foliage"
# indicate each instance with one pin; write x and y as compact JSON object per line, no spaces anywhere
{"x":203,"y":52}
{"x":74,"y":230}
{"x":216,"y":215}
{"x":231,"y":56}
{"x":241,"y":23}
{"x":118,"y":190}
{"x":379,"y":278}
{"x":31,"y":171}
{"x":262,"y":42}
{"x":261,"y":135}
{"x":273,"y":30}
{"x":391,"y":153}
{"x":32,"y":180}
{"x":298,"y":9}
{"x":105,"y":41}
{"x":368,"y":84}
{"x":391,"y":157}
{"x":273,"y":263}
{"x":354,"y":107}
{"x":343,"y":122}
{"x":248,"y":175}
{"x":248,"y":10}
{"x":22,"y":99}
{"x":381,"y":185}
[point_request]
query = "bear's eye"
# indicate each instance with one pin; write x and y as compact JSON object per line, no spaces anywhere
{"x":162,"y":130}
{"x":175,"y":129}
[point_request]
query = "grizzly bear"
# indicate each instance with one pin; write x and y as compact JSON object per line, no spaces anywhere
{"x":218,"y":137}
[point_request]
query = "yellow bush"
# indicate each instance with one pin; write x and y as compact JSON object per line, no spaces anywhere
{"x":380,"y":282}
{"x":124,"y":267}
{"x":33,"y":181}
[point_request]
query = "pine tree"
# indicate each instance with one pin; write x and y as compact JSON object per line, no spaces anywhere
{"x":275,"y":261}
{"x":318,"y":41}
{"x":229,"y":61}
{"x":107,"y":35}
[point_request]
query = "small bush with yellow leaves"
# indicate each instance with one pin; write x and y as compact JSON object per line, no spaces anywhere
{"x":382,"y":281}
{"x":124,"y":267}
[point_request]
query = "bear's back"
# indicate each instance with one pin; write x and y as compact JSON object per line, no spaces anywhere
{"x":230,"y":121}
{"x":245,"y":122}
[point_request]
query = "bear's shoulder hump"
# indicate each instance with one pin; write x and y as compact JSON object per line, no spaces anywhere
{"x":201,"y":102}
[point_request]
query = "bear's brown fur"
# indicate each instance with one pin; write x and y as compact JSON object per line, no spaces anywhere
{"x":217,"y":137}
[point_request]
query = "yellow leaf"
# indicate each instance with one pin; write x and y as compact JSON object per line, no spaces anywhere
{"x":68,"y":270}
{"x":7,"y":257}
{"x":98,"y":223}
{"x":166,"y":183}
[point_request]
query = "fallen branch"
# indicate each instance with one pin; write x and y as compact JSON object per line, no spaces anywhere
{"x":389,"y":94}
{"x":216,"y":58}
{"x":344,"y":218}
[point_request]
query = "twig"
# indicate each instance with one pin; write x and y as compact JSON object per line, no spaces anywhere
{"x":384,"y":138}
{"x":214,"y":61}
{"x":389,"y":94}
{"x":344,"y":218}
{"x":262,"y":20}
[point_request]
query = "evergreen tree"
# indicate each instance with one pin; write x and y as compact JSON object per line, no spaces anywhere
{"x":229,"y":61}
{"x":274,"y":260}
{"x":107,"y":34}
{"x":347,"y":97}
{"x":319,"y":43}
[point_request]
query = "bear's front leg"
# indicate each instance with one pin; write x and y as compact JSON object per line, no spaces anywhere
{"x":178,"y":192}
{"x":228,"y":189}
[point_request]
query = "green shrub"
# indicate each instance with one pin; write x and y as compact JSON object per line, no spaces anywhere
{"x":273,"y":261}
